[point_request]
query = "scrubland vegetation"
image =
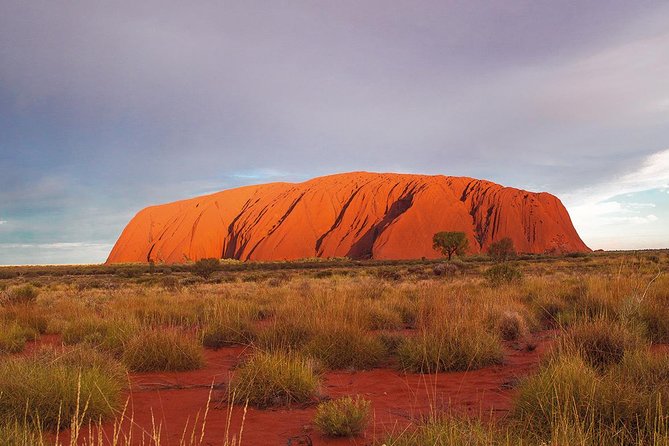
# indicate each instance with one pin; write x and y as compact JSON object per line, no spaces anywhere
{"x":603,"y":381}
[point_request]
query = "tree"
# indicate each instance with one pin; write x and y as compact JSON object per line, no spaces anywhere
{"x":502,"y":250}
{"x":449,"y":243}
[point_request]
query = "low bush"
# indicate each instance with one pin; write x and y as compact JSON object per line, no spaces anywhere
{"x":162,"y":350}
{"x":13,"y":337}
{"x":511,"y":326}
{"x":22,"y":294}
{"x":503,"y":273}
{"x":206,"y":267}
{"x":655,"y":317}
{"x":449,"y":349}
{"x":275,"y":379}
{"x":343,"y":417}
{"x":445,"y":269}
{"x":55,"y":384}
{"x":600,"y":343}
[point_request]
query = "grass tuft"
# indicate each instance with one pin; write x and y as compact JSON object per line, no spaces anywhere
{"x":449,"y":349}
{"x":343,"y":417}
{"x":162,"y":350}
{"x":56,"y":385}
{"x":342,"y":347}
{"x":275,"y":379}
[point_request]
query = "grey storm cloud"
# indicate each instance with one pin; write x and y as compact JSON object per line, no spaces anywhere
{"x":106,"y":107}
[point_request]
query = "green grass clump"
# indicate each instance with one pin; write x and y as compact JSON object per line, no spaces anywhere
{"x":342,"y":347}
{"x":85,"y":330}
{"x":13,"y":337}
{"x":107,"y":335}
{"x":449,"y":349}
{"x":655,"y":317}
{"x":624,"y":405}
{"x":27,"y":316}
{"x":343,"y":417}
{"x":275,"y":379}
{"x":503,"y":273}
{"x":283,"y":335}
{"x":51,"y":387}
{"x":22,"y":294}
{"x":162,"y":350}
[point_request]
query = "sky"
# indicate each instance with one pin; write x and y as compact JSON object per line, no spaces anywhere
{"x":108,"y":107}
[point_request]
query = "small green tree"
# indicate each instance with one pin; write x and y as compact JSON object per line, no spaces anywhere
{"x":502,"y":250}
{"x":449,"y":243}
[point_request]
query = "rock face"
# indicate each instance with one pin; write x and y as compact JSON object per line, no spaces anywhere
{"x":359,"y":215}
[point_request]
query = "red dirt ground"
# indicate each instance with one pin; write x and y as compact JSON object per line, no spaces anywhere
{"x":173,"y":400}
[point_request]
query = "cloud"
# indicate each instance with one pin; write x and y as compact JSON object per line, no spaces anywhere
{"x":652,"y":173}
{"x":2,"y":222}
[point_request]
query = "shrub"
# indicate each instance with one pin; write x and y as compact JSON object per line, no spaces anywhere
{"x":342,"y":347}
{"x":55,"y":384}
{"x":445,"y":269}
{"x":502,"y":250}
{"x":13,"y":338}
{"x":601,"y":342}
{"x":206,"y":267}
{"x":275,"y":379}
{"x":453,"y":349}
{"x":343,"y":417}
{"x":22,"y":294}
{"x":162,"y":350}
{"x":655,"y":317}
{"x":503,"y":273}
{"x":511,"y":326}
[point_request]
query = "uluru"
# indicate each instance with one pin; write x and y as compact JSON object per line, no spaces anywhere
{"x":359,"y":215}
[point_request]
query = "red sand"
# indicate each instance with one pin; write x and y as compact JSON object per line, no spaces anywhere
{"x":174,"y":400}
{"x":356,"y":215}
